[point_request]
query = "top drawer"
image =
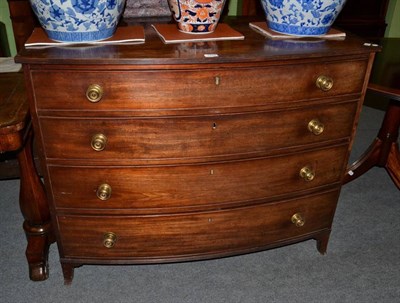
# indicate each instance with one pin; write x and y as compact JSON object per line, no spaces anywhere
{"x":192,"y":89}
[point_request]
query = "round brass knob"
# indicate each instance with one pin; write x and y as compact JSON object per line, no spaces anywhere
{"x":109,"y":240}
{"x":99,"y":142}
{"x":104,"y":192}
{"x":94,"y":93}
{"x":324,"y":83}
{"x":298,"y":220}
{"x":307,"y":173}
{"x":316,"y":127}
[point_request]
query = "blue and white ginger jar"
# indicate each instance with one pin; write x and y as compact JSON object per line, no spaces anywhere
{"x":78,"y":20}
{"x":302,"y":17}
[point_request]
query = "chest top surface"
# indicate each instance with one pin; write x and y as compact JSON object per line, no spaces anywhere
{"x":255,"y":48}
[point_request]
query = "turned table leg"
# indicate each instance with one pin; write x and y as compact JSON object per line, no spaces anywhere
{"x":384,"y":151}
{"x":393,"y":164}
{"x":34,"y":208}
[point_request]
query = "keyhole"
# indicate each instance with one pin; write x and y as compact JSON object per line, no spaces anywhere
{"x":214,"y":125}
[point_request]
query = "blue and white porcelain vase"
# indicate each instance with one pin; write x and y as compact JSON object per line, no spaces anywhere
{"x":302,"y":17}
{"x":78,"y":20}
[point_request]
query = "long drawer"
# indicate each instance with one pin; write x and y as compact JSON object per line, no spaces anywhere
{"x":194,"y":234}
{"x":139,"y":188}
{"x":187,"y":89}
{"x":194,"y":137}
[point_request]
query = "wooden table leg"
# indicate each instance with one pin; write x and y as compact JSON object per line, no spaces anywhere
{"x":34,"y":208}
{"x":393,"y":164}
{"x":384,"y":151}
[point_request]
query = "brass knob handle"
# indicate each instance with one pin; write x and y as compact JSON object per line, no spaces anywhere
{"x":324,"y":83}
{"x":109,"y":240}
{"x":298,"y":220}
{"x":307,"y":173}
{"x":316,"y":127}
{"x":94,"y":93}
{"x":99,"y":142}
{"x":104,"y":192}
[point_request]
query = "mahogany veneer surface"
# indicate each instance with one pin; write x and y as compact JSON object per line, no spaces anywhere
{"x":205,"y":156}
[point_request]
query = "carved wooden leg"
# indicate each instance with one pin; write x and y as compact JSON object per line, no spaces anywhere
{"x":322,"y":242}
{"x":34,"y":208}
{"x":393,"y":164}
{"x":68,"y":272}
{"x":37,"y":250}
{"x":368,"y":160}
{"x":384,"y":151}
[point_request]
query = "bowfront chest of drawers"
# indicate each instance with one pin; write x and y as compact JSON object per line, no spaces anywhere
{"x":157,"y":153}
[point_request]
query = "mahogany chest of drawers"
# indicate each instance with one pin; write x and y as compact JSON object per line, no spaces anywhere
{"x":154,"y":154}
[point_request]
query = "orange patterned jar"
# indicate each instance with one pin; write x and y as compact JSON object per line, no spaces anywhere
{"x":197,"y":16}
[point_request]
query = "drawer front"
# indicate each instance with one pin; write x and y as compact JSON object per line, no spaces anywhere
{"x":193,"y":137}
{"x":136,"y":189}
{"x":194,"y":89}
{"x":194,"y":234}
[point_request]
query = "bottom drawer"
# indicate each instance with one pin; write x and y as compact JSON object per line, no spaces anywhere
{"x":193,"y":235}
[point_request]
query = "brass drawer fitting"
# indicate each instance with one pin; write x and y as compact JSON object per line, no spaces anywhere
{"x":99,"y":142}
{"x":307,"y":173}
{"x":109,"y":239}
{"x":324,"y":83}
{"x":104,"y":192}
{"x":316,"y":127}
{"x":298,"y":220}
{"x":94,"y":93}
